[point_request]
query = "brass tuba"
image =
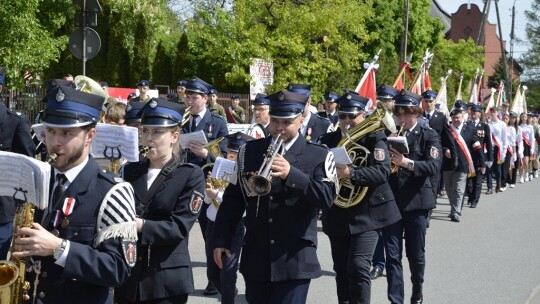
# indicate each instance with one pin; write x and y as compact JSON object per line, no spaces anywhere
{"x":349,"y":195}
{"x":13,"y":286}
{"x":88,"y":85}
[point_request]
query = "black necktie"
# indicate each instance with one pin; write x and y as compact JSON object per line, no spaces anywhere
{"x":428,"y":116}
{"x":194,"y":122}
{"x":59,"y":190}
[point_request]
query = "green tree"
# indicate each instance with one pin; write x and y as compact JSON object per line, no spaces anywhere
{"x":162,"y":69}
{"x":182,"y":63}
{"x":27,"y":32}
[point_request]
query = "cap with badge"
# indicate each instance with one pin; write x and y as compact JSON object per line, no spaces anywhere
{"x":2,"y":75}
{"x":131,"y":95}
{"x":304,"y":89}
{"x":459,"y":106}
{"x":197,"y":85}
{"x":429,"y":95}
{"x":53,"y":83}
{"x":476,"y":108}
{"x":407,"y":99}
{"x":236,"y":140}
{"x":261,"y":99}
{"x":69,"y":108}
{"x":287,"y":104}
{"x":133,"y":112}
{"x":143,"y":83}
{"x":512,"y":114}
{"x":171,"y":95}
{"x":385,"y":91}
{"x":213,"y":92}
{"x":330,"y":97}
{"x":104,"y":84}
{"x":181,"y":83}
{"x":351,"y":102}
{"x":233,"y":97}
{"x":158,"y":112}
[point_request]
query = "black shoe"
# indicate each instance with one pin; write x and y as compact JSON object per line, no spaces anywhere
{"x":417,"y":298}
{"x":210,"y":289}
{"x":473,"y":205}
{"x":376,"y":272}
{"x":454,"y":218}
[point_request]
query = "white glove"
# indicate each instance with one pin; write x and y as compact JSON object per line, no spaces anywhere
{"x":489,"y":163}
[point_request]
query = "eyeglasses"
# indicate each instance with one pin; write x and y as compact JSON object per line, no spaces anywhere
{"x":350,"y":116}
{"x":154,"y":134}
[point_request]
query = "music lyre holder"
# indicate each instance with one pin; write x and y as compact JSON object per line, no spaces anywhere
{"x":113,"y":154}
{"x":17,"y":190}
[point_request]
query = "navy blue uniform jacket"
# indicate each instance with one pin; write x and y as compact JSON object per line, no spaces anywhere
{"x":281,"y":240}
{"x":213,"y":126}
{"x":378,"y":208}
{"x":91,"y":269}
{"x":413,"y":190}
{"x":168,"y":221}
{"x":316,"y":127}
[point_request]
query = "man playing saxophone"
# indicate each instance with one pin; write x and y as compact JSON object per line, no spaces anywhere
{"x":279,"y":250}
{"x":353,"y":231}
{"x":85,"y":243}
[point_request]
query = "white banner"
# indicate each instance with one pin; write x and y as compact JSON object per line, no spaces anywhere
{"x":262,"y":74}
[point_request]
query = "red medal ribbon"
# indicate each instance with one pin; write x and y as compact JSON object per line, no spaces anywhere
{"x":69,"y":202}
{"x":56,"y":220}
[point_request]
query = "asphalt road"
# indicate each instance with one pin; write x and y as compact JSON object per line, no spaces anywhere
{"x":491,"y":256}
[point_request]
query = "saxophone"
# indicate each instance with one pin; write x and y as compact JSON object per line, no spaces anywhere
{"x":13,"y":286}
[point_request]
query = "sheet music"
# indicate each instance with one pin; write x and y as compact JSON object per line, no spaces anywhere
{"x":399,"y":143}
{"x":112,"y":136}
{"x":39,"y":130}
{"x":341,"y":156}
{"x":25,"y":177}
{"x":197,"y":136}
{"x":225,"y":169}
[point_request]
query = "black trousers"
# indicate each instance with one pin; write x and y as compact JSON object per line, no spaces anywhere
{"x":283,"y":292}
{"x":352,"y":257}
{"x":474,"y":188}
{"x":414,"y":224}
{"x":224,"y":279}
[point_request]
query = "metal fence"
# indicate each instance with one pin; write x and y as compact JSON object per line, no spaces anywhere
{"x":29,"y":100}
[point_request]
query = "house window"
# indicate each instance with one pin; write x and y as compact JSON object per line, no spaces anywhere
{"x":467,"y":31}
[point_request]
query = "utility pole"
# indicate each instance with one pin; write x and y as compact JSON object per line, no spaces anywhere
{"x":507,"y":81}
{"x":510,"y":84}
{"x":405,"y":30}
{"x":480,"y":39}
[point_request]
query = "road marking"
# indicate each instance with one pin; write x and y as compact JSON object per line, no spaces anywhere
{"x":535,"y":291}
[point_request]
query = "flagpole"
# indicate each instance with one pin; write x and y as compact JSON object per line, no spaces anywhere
{"x":368,"y":70}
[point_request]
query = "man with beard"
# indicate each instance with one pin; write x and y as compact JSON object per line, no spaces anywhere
{"x":85,"y":244}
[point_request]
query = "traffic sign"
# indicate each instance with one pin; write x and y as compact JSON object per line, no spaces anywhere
{"x":93,"y":43}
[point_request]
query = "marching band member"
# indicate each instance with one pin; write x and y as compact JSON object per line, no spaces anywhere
{"x":313,"y":126}
{"x":14,"y":137}
{"x":225,"y":278}
{"x":279,"y":250}
{"x":261,"y":110}
{"x":213,"y":126}
{"x":180,"y":92}
{"x":469,"y":161}
{"x":413,"y":192}
{"x":330,"y":108}
{"x":353,"y":232}
{"x":170,"y":196}
{"x":86,"y":241}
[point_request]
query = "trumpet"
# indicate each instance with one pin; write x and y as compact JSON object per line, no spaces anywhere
{"x":143,"y":150}
{"x":261,"y":184}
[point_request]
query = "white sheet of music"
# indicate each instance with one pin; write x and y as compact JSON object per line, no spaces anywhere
{"x":225,"y":169}
{"x":124,"y":138}
{"x":197,"y":136}
{"x":399,"y":143}
{"x":25,"y":177}
{"x":341,"y":156}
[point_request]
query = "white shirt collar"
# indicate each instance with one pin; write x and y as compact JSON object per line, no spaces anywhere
{"x":72,"y":173}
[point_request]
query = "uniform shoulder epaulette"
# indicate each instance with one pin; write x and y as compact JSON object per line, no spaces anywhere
{"x":18,"y":114}
{"x":323,"y":118}
{"x":111,"y":177}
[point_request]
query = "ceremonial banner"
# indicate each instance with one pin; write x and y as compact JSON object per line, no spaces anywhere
{"x":262,"y":75}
